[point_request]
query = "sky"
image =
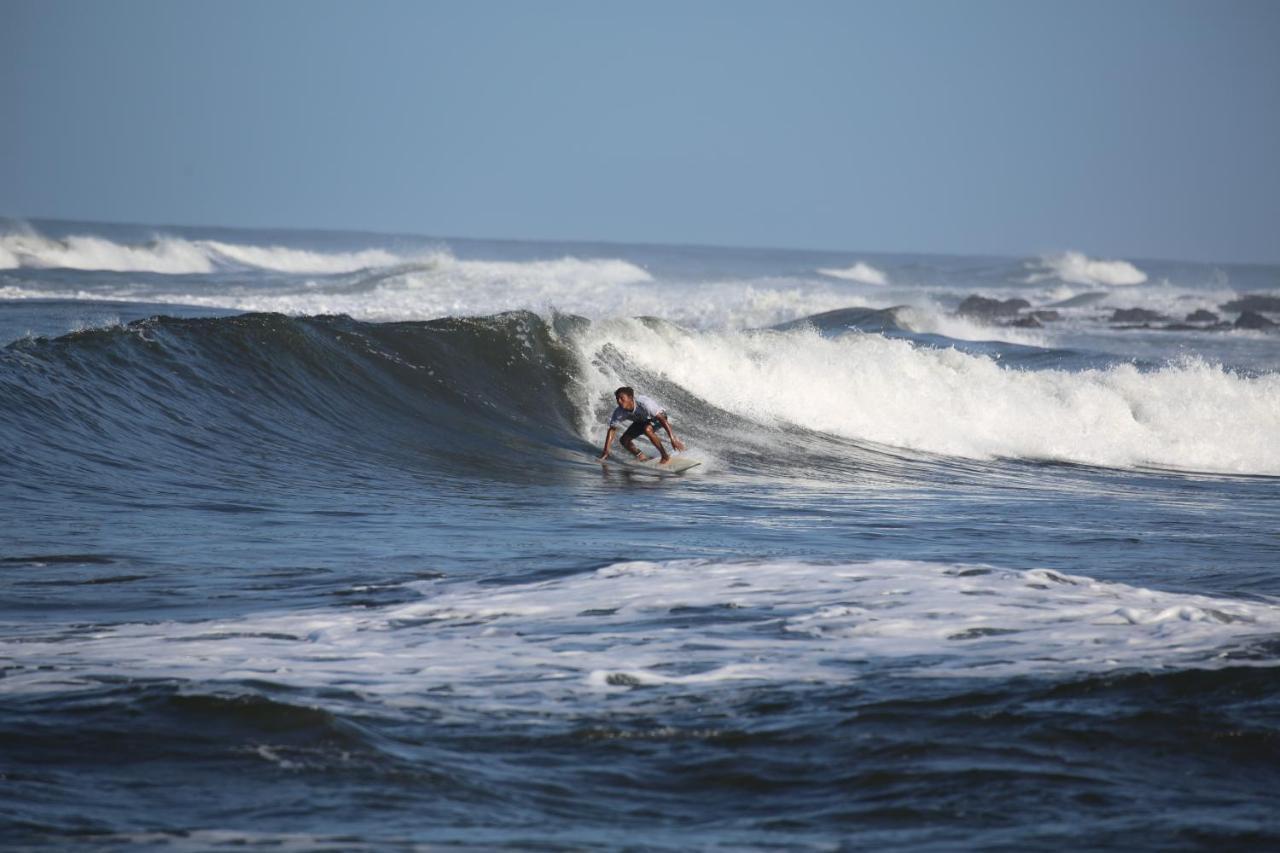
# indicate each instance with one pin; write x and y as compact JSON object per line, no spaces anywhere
{"x":1122,"y":129}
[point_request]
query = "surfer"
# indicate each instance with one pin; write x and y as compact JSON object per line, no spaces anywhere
{"x":645,"y":413}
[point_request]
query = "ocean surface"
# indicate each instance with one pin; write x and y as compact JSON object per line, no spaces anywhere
{"x":303,"y":545}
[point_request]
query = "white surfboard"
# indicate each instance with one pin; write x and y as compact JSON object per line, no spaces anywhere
{"x":677,"y":464}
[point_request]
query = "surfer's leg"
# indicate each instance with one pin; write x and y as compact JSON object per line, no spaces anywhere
{"x":657,"y":442}
{"x":628,"y":440}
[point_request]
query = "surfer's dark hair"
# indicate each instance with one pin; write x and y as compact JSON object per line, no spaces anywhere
{"x":625,"y":389}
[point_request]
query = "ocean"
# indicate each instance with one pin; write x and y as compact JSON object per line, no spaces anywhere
{"x":304,"y":545}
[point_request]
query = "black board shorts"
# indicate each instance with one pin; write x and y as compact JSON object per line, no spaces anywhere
{"x":637,"y":429}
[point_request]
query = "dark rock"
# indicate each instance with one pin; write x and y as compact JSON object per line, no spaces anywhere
{"x":1202,"y":316}
{"x":1253,"y":320}
{"x":1135,"y":315}
{"x":1188,"y":327}
{"x":1046,"y":316}
{"x":984,"y":308}
{"x":1027,"y":322}
{"x":1253,"y":302}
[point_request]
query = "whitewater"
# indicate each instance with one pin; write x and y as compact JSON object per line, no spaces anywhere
{"x":303,"y":537}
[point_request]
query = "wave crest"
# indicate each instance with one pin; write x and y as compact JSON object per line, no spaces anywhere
{"x":861,"y":272}
{"x":1078,"y":268}
{"x":176,"y":256}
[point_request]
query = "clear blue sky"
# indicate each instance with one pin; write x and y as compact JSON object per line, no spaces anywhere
{"x":1133,"y":129}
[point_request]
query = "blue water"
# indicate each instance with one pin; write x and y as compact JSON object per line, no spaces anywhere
{"x":303,"y":542}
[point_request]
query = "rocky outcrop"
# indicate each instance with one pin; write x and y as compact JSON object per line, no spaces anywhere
{"x":1202,"y":316}
{"x":1254,"y":320}
{"x":1254,"y":302}
{"x":1135,"y":315}
{"x":982,"y":308}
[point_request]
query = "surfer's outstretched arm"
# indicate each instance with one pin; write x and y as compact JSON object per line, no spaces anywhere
{"x":608,"y":442}
{"x":666,"y":424}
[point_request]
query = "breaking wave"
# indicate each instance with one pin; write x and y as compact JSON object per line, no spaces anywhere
{"x":176,"y":256}
{"x":1191,"y":415}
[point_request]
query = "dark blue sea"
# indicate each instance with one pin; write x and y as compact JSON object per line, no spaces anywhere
{"x":303,"y":546}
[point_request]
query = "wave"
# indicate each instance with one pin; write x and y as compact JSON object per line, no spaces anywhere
{"x":181,"y":391}
{"x":775,"y":622}
{"x":861,"y":272}
{"x":1077,"y":268}
{"x":176,"y":256}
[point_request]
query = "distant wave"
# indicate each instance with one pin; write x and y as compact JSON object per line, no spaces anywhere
{"x":442,"y":285}
{"x":861,"y":272}
{"x":1077,"y":268}
{"x":176,"y":256}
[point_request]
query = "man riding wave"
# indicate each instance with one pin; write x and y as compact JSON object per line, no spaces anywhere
{"x":645,"y":413}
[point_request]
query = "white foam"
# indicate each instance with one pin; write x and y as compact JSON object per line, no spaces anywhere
{"x":1191,"y":415}
{"x":1077,"y":268}
{"x":685,"y":625}
{"x":283,"y":259}
{"x":861,"y":272}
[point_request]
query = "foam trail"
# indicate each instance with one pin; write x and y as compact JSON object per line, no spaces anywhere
{"x":1077,"y":268}
{"x":861,"y":272}
{"x":536,"y":645}
{"x":1191,"y":415}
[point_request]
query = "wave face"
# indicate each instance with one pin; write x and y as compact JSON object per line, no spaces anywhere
{"x":176,"y":392}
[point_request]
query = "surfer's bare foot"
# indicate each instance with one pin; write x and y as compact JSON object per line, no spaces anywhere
{"x":640,"y":457}
{"x":666,"y":460}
